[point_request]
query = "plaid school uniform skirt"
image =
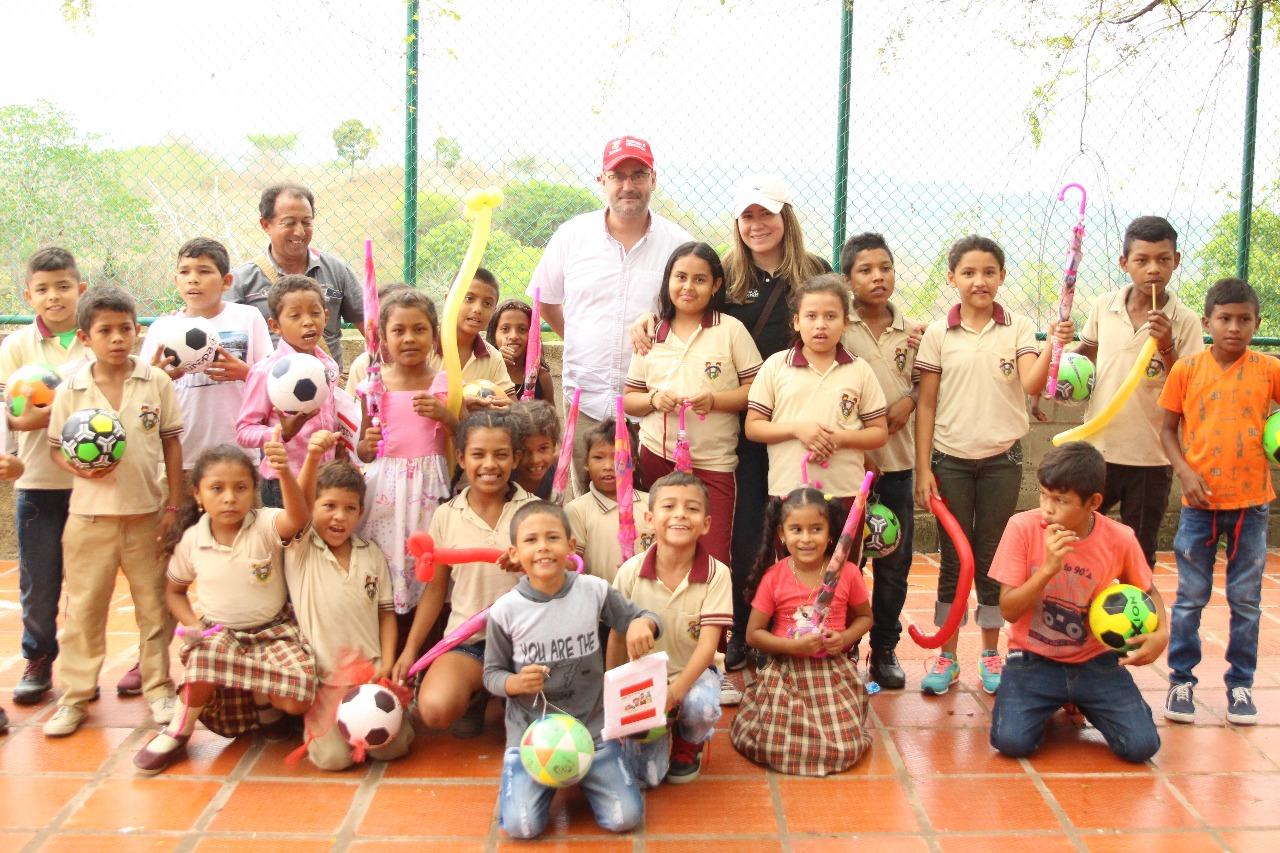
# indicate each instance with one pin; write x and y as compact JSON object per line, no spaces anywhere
{"x":804,"y":716}
{"x":271,"y":658}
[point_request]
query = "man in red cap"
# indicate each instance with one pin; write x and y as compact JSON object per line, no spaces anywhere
{"x":600,"y":271}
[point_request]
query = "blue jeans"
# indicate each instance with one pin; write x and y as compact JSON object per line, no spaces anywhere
{"x":525,"y":805}
{"x":1196,"y":547}
{"x":1033,"y":687}
{"x":889,"y":574}
{"x":271,"y":494}
{"x":695,"y":721}
{"x":41,"y":515}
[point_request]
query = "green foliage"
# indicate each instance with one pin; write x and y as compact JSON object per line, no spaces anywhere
{"x":440,"y":253}
{"x":354,"y":141}
{"x":448,"y":152}
{"x":278,"y":144}
{"x":55,"y":190}
{"x":175,"y":160}
{"x":534,"y":209}
{"x":1218,"y":260}
{"x":436,"y":208}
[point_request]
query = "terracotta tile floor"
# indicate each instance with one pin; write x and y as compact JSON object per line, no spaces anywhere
{"x":931,"y":782}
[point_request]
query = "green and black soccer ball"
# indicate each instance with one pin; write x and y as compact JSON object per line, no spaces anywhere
{"x":1271,"y":437}
{"x":93,"y":439}
{"x":1121,"y":612}
{"x":1075,"y":378}
{"x":881,"y":531}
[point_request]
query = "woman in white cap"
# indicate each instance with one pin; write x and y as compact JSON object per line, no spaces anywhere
{"x":767,"y":261}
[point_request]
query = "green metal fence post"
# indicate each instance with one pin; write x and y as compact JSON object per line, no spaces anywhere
{"x":1250,"y":135}
{"x":411,"y":146}
{"x":842,"y":132}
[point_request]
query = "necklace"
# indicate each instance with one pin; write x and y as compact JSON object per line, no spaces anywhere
{"x":791,"y":564}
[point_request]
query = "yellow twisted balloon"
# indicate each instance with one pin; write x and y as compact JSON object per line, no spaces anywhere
{"x":1122,"y":395}
{"x":479,"y":205}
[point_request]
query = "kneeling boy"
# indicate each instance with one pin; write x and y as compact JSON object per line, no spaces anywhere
{"x":543,"y":651}
{"x":693,"y":593}
{"x":341,"y":592}
{"x":1051,"y":563}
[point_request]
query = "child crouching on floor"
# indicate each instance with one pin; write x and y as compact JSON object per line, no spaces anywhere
{"x":551,"y":608}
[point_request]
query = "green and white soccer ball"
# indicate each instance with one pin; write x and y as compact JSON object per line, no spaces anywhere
{"x":557,"y":750}
{"x":93,"y":439}
{"x":881,"y":531}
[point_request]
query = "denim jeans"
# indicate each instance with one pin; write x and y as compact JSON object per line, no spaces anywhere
{"x":271,"y":494}
{"x":695,"y":721}
{"x":1196,"y":547}
{"x":525,"y":805}
{"x":889,"y":574}
{"x":41,"y":515}
{"x":1033,"y":687}
{"x":982,"y":494}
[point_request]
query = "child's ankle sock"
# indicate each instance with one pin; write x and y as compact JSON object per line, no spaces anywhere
{"x":184,"y":723}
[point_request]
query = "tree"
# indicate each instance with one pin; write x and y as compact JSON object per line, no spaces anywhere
{"x":533,"y":210}
{"x":440,"y":253}
{"x":354,"y":141}
{"x":448,"y":151}
{"x":55,"y":189}
{"x":273,"y":144}
{"x":1218,"y":260}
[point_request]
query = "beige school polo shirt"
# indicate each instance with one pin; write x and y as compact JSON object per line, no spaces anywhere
{"x":475,"y":586}
{"x":593,"y":518}
{"x":982,"y":408}
{"x":703,"y":598}
{"x":892,"y":361}
{"x":35,"y":344}
{"x":241,"y":585}
{"x":149,"y":410}
{"x":846,"y":396}
{"x":719,"y":356}
{"x":1133,"y":435}
{"x":338,"y":608}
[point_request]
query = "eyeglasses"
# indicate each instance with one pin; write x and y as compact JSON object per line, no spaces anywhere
{"x":637,"y":177}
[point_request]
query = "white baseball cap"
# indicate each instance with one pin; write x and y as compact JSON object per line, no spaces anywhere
{"x":768,"y":191}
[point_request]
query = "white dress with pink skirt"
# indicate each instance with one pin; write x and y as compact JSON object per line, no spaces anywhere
{"x":405,"y":485}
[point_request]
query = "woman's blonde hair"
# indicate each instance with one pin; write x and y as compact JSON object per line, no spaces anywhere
{"x":798,"y":266}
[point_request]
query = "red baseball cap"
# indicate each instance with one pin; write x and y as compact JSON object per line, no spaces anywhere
{"x":627,"y":148}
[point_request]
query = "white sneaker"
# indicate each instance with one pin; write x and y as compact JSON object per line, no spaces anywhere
{"x":162,"y":709}
{"x":729,"y":692}
{"x":64,"y":721}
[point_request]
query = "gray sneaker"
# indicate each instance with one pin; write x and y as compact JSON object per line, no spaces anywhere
{"x":1179,"y":704}
{"x":1240,"y":707}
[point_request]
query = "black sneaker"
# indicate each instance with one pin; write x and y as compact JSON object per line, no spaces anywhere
{"x":1180,"y":703}
{"x":1240,"y":708}
{"x":471,"y":723}
{"x":36,"y":680}
{"x":686,"y":760}
{"x":885,"y":670}
{"x":735,"y":656}
{"x":4,"y":722}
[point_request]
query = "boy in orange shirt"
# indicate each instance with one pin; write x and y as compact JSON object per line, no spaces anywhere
{"x":1220,"y":399}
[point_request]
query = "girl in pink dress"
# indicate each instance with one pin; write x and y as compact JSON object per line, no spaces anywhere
{"x":406,"y":472}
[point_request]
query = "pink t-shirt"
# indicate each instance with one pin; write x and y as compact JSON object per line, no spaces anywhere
{"x":782,"y":597}
{"x":1057,"y":626}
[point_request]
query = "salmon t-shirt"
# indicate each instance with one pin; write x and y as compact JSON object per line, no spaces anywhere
{"x":782,"y":597}
{"x":1057,"y":626}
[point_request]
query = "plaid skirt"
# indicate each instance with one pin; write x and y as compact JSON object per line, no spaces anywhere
{"x":272,"y":659}
{"x":804,"y":716}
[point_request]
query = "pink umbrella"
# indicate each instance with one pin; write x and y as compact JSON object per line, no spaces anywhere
{"x":1068,"y":288}
{"x":371,"y":389}
{"x":533,"y":350}
{"x":560,"y":482}
{"x":624,"y":468}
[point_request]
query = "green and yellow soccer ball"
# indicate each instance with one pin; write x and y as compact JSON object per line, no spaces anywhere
{"x":881,"y":532}
{"x":93,"y":439}
{"x":1075,"y":378}
{"x":1121,"y":612}
{"x":557,"y":750}
{"x":1271,"y":437}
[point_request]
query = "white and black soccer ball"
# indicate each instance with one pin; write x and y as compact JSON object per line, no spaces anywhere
{"x":297,"y":383}
{"x":369,"y":716}
{"x":191,"y":343}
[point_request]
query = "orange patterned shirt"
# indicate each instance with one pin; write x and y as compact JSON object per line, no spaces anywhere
{"x":1223,"y":412}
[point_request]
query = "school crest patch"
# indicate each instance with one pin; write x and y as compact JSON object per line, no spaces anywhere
{"x":1006,"y":367}
{"x":1155,"y":367}
{"x":371,"y":586}
{"x":847,"y":404}
{"x":261,"y":570}
{"x":149,"y":417}
{"x":900,"y":358}
{"x":713,"y":370}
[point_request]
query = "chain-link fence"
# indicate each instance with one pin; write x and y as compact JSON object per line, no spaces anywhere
{"x":963,"y":117}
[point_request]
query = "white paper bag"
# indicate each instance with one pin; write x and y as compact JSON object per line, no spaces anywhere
{"x":635,"y":696}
